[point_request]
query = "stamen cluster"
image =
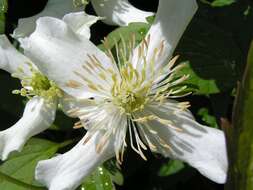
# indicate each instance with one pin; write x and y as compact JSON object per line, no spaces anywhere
{"x":126,"y":92}
{"x":36,"y":84}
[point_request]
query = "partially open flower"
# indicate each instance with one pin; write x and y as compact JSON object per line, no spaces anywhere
{"x":54,"y":8}
{"x":132,"y":92}
{"x":43,"y":94}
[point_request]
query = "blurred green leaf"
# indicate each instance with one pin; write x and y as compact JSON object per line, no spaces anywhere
{"x":114,"y":171}
{"x":221,"y":3}
{"x":99,"y":180}
{"x":218,"y":3}
{"x":171,"y":167}
{"x":125,"y":33}
{"x":21,"y":166}
{"x":207,"y":118}
{"x":213,"y":67}
{"x":201,"y":85}
{"x":3,"y":10}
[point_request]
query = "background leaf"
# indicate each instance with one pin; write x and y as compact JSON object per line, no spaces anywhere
{"x":213,"y":66}
{"x":171,"y":167}
{"x":3,"y":10}
{"x":99,"y":180}
{"x":207,"y":118}
{"x":21,"y":165}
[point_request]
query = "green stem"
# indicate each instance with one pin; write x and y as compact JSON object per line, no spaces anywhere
{"x":19,"y":183}
{"x":68,"y":142}
{"x":240,"y":141}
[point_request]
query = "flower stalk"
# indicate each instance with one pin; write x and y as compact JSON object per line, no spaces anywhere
{"x":240,"y":142}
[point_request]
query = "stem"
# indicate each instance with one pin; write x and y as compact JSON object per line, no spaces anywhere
{"x":19,"y":183}
{"x":68,"y":142}
{"x":240,"y":135}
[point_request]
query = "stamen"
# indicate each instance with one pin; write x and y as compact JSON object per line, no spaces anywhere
{"x":36,"y":85}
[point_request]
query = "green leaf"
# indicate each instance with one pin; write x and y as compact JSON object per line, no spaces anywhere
{"x":21,"y":166}
{"x":221,"y":3}
{"x":99,"y":180}
{"x":171,"y":167}
{"x":114,"y":171}
{"x":218,"y":3}
{"x":201,"y":85}
{"x":125,"y":33}
{"x":3,"y":10}
{"x":207,"y":118}
{"x":213,"y":66}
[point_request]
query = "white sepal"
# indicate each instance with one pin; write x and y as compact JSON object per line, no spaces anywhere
{"x":10,"y":59}
{"x":37,"y":117}
{"x":80,"y":23}
{"x":119,"y":12}
{"x":202,"y":147}
{"x":67,"y":171}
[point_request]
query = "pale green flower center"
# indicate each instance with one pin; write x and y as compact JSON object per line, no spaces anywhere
{"x":37,"y":85}
{"x":130,"y":94}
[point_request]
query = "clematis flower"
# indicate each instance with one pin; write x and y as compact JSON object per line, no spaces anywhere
{"x":43,"y":94}
{"x":115,"y":12}
{"x":54,"y":8}
{"x":133,"y":93}
{"x":119,"y":12}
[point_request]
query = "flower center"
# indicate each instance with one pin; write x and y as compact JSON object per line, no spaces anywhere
{"x":36,"y":85}
{"x":129,"y":101}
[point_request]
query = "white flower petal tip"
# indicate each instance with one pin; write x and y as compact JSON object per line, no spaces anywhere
{"x":67,"y":171}
{"x":54,"y":8}
{"x":204,"y":148}
{"x":10,"y":58}
{"x":37,"y":117}
{"x":80,"y":22}
{"x":119,"y":12}
{"x":172,"y":18}
{"x":8,"y":144}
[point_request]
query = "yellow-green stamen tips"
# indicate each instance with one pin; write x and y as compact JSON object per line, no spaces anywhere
{"x":36,"y":85}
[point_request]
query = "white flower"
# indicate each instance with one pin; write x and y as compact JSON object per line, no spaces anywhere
{"x":115,"y":12}
{"x":54,"y":8}
{"x":132,"y":93}
{"x":40,"y":110}
{"x":43,"y":94}
{"x":119,"y":12}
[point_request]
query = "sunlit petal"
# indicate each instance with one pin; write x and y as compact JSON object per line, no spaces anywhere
{"x":119,"y":12}
{"x":67,"y":171}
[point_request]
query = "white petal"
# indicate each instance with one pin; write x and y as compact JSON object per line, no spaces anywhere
{"x":37,"y":117}
{"x":119,"y":12}
{"x":10,"y":58}
{"x":59,"y":54}
{"x":171,"y":20}
{"x":80,"y":22}
{"x":67,"y":171}
{"x":54,"y":8}
{"x":202,"y":147}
